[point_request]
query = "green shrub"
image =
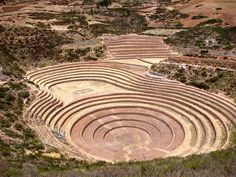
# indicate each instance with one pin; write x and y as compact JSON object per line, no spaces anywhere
{"x":201,"y":85}
{"x":42,"y":15}
{"x":28,"y":133}
{"x":23,"y":94}
{"x":229,"y":47}
{"x":10,"y":98}
{"x":203,"y":52}
{"x":200,"y":16}
{"x":13,"y":172}
{"x":233,"y":138}
{"x":211,"y":21}
{"x":16,"y":85}
{"x":18,"y":126}
{"x":222,"y":155}
{"x":67,"y":17}
{"x":104,"y":3}
{"x":12,"y":134}
{"x":4,"y":123}
{"x":3,"y":89}
{"x":213,"y":79}
{"x":10,"y":117}
{"x":73,"y":27}
{"x":218,"y":8}
{"x":165,"y":1}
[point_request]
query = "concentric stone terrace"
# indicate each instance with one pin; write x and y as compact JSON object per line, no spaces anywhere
{"x":118,"y":112}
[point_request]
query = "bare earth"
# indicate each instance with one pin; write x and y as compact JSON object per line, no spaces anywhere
{"x":209,"y":8}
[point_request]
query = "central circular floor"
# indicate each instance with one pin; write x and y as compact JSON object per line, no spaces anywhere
{"x":129,"y":136}
{"x":127,"y":133}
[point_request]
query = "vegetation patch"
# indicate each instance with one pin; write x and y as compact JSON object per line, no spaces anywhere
{"x":214,"y":80}
{"x":43,"y":15}
{"x":203,"y":38}
{"x":16,"y":137}
{"x":118,"y":21}
{"x":165,"y":14}
{"x":168,"y":18}
{"x":217,"y":21}
{"x":30,"y":45}
{"x":218,"y":163}
{"x":197,"y":17}
{"x":85,"y":54}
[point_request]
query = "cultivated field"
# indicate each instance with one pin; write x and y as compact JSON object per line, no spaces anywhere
{"x":137,"y":46}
